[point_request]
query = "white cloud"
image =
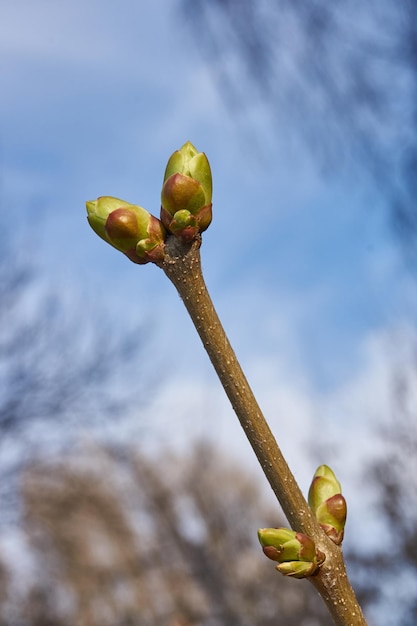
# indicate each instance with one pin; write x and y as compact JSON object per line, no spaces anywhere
{"x":342,"y":418}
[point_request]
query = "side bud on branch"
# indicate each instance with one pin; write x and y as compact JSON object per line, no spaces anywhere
{"x":186,"y":193}
{"x":295,"y":552}
{"x":327,"y":503}
{"x":128,"y":228}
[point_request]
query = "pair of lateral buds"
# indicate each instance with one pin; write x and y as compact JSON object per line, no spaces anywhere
{"x":295,"y":552}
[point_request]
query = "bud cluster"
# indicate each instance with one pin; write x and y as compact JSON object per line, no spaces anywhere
{"x":185,"y":211}
{"x":296,"y":553}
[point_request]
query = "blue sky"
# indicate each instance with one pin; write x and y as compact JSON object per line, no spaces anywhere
{"x":303,"y":270}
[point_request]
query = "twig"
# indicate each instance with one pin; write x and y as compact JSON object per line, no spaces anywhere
{"x":183,"y":267}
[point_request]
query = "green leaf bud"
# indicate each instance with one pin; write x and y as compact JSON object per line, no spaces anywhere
{"x":275,"y":536}
{"x":128,"y":228}
{"x":327,"y":503}
{"x":297,"y":569}
{"x":279,"y":544}
{"x":324,"y":486}
{"x":187,"y":187}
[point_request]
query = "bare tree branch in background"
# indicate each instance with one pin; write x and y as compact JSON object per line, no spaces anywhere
{"x":120,"y":538}
{"x":342,"y":76}
{"x":60,"y":365}
{"x":389,"y":574}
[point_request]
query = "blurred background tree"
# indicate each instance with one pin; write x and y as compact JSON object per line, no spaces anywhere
{"x":118,"y":537}
{"x":387,"y":576}
{"x":60,"y":364}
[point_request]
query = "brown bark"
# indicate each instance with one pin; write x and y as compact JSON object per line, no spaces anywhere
{"x":182,"y":265}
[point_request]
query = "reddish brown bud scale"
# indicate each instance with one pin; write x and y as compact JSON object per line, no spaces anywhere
{"x":122,"y":228}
